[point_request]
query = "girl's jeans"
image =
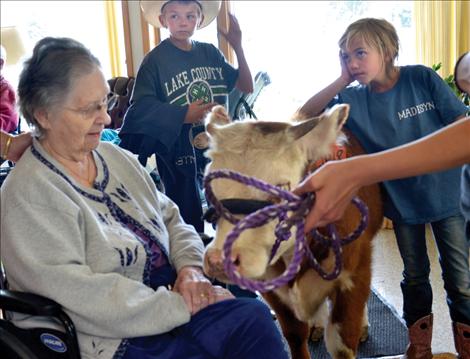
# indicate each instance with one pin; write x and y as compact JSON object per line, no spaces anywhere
{"x":453,"y":246}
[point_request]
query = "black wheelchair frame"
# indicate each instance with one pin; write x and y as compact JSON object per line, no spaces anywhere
{"x":241,"y":104}
{"x":35,"y":343}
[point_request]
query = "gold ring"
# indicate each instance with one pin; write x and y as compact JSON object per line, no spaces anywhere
{"x":202,"y":295}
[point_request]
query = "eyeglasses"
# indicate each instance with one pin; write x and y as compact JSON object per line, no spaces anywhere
{"x":94,"y":109}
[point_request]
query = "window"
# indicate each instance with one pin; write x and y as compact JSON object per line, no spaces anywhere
{"x":84,"y":21}
{"x":296,"y":43}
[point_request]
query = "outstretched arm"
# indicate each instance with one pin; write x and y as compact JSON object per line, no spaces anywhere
{"x":234,"y":38}
{"x":336,"y":182}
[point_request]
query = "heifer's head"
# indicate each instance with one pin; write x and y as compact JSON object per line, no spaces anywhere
{"x":275,"y":152}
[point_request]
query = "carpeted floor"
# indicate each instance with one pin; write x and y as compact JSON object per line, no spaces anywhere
{"x":387,"y":333}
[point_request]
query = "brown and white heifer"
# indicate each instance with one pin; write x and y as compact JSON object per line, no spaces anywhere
{"x":279,"y":153}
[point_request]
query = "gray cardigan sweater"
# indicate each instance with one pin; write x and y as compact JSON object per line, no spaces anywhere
{"x":67,"y":242}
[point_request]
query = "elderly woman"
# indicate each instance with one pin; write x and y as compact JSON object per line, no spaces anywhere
{"x":83,"y":224}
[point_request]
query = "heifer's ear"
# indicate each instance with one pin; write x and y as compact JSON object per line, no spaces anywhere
{"x":339,"y":113}
{"x":318,"y":141}
{"x":218,"y":116}
{"x":303,"y":128}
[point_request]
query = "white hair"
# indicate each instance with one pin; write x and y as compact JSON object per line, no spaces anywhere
{"x":463,"y":69}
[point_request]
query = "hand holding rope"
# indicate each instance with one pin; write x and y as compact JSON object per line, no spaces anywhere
{"x":290,"y":202}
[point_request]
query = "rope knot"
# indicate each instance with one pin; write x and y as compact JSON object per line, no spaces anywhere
{"x":290,"y":203}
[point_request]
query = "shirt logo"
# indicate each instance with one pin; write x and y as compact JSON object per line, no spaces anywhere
{"x":199,"y":90}
{"x":415,"y":110}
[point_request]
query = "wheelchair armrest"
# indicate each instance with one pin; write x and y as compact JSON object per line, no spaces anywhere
{"x":33,"y":304}
{"x":28,"y":303}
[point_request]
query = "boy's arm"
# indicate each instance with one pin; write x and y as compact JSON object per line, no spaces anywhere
{"x":336,"y":182}
{"x":441,"y":150}
{"x":148,"y":115}
{"x":245,"y":80}
{"x":234,"y":38}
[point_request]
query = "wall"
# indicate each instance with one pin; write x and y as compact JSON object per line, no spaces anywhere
{"x":136,"y":34}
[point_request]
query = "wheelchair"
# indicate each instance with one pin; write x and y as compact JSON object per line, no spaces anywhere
{"x":45,"y":343}
{"x":34,"y":343}
{"x":39,"y":343}
{"x":241,"y":104}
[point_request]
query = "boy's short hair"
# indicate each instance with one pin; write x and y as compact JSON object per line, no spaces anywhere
{"x":153,"y":9}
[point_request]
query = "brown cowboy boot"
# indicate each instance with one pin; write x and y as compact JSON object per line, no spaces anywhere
{"x":462,"y":339}
{"x":420,"y":336}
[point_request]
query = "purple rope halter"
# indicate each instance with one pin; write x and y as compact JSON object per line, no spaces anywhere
{"x":291,"y":202}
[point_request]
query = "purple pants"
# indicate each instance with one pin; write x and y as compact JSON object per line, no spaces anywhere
{"x":231,"y":329}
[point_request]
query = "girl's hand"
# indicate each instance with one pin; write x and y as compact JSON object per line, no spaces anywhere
{"x":234,"y":34}
{"x":334,"y":187}
{"x":345,"y":74}
{"x":196,"y":289}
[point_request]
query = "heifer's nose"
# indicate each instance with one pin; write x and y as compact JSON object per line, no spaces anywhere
{"x":214,"y":265}
{"x":216,"y":260}
{"x":213,"y":262}
{"x":236,"y":260}
{"x":214,"y":257}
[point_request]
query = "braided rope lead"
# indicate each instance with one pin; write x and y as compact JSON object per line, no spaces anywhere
{"x":300,"y":206}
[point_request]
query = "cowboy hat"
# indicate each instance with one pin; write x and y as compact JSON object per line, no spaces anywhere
{"x":153,"y":9}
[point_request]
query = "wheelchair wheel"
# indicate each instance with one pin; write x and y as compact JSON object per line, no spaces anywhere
{"x":12,"y":348}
